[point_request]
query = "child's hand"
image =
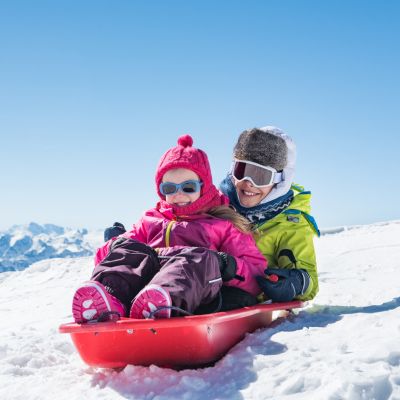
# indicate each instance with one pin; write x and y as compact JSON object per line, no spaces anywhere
{"x":227,"y":266}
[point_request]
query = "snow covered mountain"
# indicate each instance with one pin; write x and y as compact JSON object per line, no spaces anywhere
{"x":22,"y":245}
{"x":344,"y":345}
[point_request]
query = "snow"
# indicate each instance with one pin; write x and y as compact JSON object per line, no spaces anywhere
{"x":345,"y":345}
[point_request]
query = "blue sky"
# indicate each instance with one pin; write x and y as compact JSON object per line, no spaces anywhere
{"x":93,"y":92}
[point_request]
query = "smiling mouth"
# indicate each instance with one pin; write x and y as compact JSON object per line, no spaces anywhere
{"x":250,"y":194}
{"x":182,"y":204}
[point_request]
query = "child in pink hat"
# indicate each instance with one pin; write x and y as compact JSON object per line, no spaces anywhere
{"x":179,"y":254}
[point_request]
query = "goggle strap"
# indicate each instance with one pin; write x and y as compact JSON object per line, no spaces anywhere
{"x":278,"y":177}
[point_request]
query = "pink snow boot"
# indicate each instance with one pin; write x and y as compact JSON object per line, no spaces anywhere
{"x":92,"y":300}
{"x":150,"y":303}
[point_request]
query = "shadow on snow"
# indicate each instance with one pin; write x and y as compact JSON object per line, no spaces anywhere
{"x":234,"y":372}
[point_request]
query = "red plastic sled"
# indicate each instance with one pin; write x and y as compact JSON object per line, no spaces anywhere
{"x":178,"y":342}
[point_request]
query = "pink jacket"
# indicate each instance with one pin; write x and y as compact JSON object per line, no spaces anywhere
{"x":160,"y":228}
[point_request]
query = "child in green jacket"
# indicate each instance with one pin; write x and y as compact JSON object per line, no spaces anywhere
{"x":260,"y":188}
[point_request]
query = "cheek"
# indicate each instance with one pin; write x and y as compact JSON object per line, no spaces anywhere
{"x":240,"y":185}
{"x":195,"y":196}
{"x":169,"y":198}
{"x":266,"y":191}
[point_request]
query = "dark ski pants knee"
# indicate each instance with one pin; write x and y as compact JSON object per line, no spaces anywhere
{"x":191,"y":275}
{"x":127,"y":268}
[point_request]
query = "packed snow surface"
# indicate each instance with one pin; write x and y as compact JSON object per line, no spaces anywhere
{"x":344,"y":345}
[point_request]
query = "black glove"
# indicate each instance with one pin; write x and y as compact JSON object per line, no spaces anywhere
{"x":227,"y":266}
{"x":282,"y":285}
{"x":115,"y":230}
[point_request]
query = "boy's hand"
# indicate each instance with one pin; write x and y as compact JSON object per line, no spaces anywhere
{"x":282,"y":285}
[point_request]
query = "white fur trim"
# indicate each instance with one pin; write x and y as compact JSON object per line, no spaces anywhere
{"x":288,"y":172}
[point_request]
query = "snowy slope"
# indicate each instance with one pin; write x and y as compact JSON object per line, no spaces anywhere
{"x":344,"y":346}
{"x":22,"y":245}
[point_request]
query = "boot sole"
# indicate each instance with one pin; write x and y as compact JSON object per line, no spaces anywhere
{"x":140,"y":303}
{"x":89,"y":303}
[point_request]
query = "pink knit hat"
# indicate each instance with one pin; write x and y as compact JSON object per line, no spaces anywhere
{"x":186,"y":156}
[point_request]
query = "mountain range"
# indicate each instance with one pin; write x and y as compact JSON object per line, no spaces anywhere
{"x":22,"y":245}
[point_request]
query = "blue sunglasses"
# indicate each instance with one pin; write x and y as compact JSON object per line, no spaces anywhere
{"x":188,"y":187}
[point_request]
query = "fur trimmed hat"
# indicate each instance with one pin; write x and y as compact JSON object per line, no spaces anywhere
{"x":263,"y":147}
{"x":272,"y":147}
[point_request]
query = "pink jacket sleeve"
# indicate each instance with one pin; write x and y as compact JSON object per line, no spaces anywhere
{"x":250,"y":261}
{"x":138,"y":232}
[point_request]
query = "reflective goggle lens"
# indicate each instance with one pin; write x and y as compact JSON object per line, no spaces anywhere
{"x":260,"y":175}
{"x":167,"y":188}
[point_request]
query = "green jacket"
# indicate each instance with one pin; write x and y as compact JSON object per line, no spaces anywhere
{"x":292,"y":229}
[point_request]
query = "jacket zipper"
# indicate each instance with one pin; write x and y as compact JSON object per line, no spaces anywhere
{"x":168,"y":233}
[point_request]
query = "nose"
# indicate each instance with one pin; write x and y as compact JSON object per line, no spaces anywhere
{"x":248,"y":183}
{"x":179,"y":193}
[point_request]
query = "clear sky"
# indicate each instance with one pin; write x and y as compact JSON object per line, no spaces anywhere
{"x":93,"y":92}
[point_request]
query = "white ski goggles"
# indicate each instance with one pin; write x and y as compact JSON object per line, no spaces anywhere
{"x":259,"y":175}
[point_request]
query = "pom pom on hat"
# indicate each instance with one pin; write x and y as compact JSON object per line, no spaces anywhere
{"x":185,"y":156}
{"x":185,"y":141}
